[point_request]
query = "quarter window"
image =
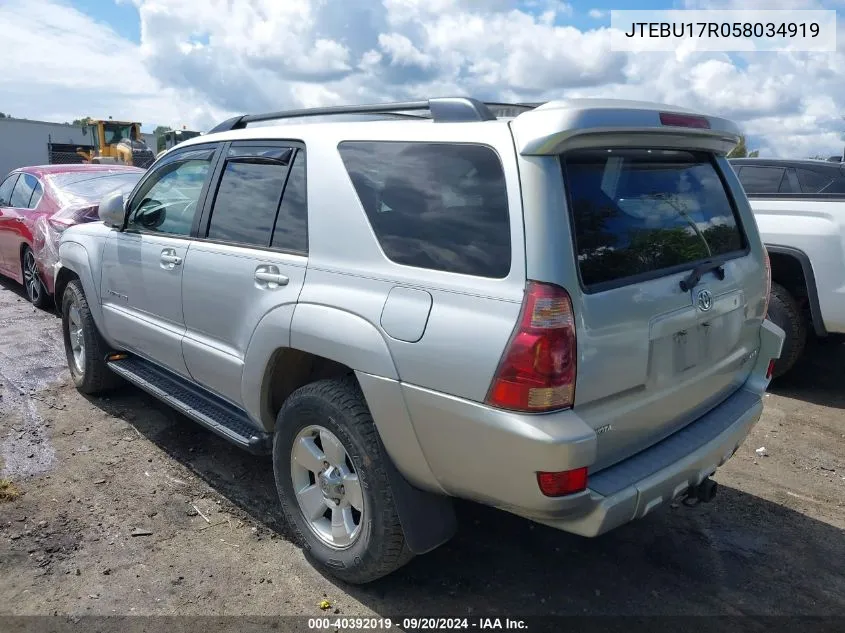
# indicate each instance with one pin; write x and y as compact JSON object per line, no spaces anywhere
{"x":35,"y":198}
{"x":812,"y":181}
{"x":439,"y":206}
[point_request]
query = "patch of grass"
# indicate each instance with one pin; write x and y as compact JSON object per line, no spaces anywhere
{"x":8,"y":491}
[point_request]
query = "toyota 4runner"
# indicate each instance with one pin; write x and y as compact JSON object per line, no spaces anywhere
{"x":556,"y":310}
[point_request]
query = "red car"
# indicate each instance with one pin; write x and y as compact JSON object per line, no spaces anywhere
{"x":37,"y":204}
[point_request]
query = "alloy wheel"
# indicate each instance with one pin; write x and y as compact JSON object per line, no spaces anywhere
{"x":327,"y":487}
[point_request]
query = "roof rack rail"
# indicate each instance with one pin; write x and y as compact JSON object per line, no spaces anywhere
{"x":451,"y":109}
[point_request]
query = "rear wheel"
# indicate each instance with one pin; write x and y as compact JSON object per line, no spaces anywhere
{"x":84,"y":346}
{"x":332,"y":484}
{"x":785,"y":312}
{"x":35,"y":290}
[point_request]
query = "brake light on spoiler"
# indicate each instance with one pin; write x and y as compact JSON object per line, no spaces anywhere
{"x":684,"y":120}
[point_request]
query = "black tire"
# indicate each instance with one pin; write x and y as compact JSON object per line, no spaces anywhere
{"x":36,"y":292}
{"x":785,"y":312}
{"x":338,"y":405}
{"x":94,"y":376}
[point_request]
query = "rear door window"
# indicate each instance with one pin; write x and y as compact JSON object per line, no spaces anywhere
{"x":644,"y":212}
{"x":291,"y":230}
{"x":25,"y":187}
{"x":762,"y":179}
{"x":249,"y":194}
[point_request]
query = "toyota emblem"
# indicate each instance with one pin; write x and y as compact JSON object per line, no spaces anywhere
{"x":704,"y":300}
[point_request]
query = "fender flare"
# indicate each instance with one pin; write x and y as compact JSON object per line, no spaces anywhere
{"x":428,"y":518}
{"x":809,"y":280}
{"x":73,"y":256}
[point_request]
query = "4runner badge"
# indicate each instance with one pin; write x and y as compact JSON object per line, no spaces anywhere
{"x":704,"y":300}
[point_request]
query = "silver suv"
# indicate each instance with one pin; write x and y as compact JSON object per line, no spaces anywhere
{"x":556,"y":310}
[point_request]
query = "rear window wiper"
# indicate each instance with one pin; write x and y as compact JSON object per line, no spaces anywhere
{"x":691,"y":280}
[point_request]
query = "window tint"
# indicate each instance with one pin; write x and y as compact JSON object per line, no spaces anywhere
{"x":434,"y":205}
{"x":248,"y":195}
{"x":640,"y":211}
{"x":761,"y":179}
{"x":837,"y":186}
{"x":23,"y":191}
{"x":812,"y":181}
{"x":291,"y":231}
{"x":6,"y":190}
{"x":167,"y":201}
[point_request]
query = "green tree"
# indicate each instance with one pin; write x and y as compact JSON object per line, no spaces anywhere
{"x":81,"y":122}
{"x":158,"y":133}
{"x":741,"y":150}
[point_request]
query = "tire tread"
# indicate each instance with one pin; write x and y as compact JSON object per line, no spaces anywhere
{"x":791,"y":319}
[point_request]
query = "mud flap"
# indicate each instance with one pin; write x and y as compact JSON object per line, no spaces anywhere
{"x":427,"y":519}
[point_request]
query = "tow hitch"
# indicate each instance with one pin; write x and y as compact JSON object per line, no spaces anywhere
{"x":702,"y":493}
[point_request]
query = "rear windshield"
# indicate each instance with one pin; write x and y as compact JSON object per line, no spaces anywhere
{"x":92,"y":186}
{"x":641,"y":212}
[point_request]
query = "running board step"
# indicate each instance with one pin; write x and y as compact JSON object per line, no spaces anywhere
{"x":217,"y":415}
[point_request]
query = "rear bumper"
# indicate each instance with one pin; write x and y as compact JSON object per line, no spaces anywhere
{"x":493,"y":456}
{"x":633,"y":488}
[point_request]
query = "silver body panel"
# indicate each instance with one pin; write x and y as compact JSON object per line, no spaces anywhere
{"x":425,"y":344}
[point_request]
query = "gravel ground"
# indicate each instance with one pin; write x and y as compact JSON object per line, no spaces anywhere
{"x":126,"y":507}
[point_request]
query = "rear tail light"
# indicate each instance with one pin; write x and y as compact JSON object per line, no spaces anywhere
{"x":684,"y":120}
{"x":59,"y":224}
{"x":767,"y":263}
{"x":70,"y":215}
{"x":537,"y":371}
{"x":565,"y":482}
{"x":771,"y":369}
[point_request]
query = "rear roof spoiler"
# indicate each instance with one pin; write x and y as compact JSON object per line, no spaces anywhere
{"x":557,"y":126}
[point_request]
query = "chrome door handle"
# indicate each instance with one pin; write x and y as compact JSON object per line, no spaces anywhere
{"x":270,"y":276}
{"x":170,"y":258}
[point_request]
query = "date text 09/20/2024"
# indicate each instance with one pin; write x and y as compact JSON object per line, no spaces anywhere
{"x":416,"y":624}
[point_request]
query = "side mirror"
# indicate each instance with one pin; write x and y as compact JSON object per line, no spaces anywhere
{"x":112,"y":210}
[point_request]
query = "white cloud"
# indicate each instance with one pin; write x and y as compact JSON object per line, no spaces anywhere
{"x":198,"y":63}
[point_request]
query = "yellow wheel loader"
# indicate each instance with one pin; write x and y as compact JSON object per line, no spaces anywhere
{"x":116,"y":142}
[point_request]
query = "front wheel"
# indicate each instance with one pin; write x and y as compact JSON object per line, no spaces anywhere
{"x":332,"y":484}
{"x":84,"y":346}
{"x":35,"y":290}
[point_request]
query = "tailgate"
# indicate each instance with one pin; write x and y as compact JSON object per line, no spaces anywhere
{"x":667,"y":277}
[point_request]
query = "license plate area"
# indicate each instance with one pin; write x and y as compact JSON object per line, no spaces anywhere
{"x":686,"y":341}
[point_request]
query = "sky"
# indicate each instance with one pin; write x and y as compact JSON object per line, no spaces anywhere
{"x":193,"y":63}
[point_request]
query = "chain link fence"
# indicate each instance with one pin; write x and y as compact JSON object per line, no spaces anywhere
{"x":64,"y":154}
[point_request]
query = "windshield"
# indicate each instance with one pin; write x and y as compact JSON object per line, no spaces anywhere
{"x":92,"y":187}
{"x":116,"y":131}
